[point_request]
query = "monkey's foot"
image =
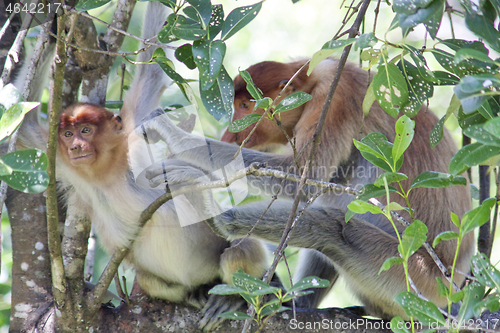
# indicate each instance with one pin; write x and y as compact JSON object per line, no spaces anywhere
{"x":216,"y":305}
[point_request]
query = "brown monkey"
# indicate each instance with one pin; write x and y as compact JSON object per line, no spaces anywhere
{"x":356,"y":249}
{"x":171,"y":262}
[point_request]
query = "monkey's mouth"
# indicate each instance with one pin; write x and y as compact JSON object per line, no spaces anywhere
{"x":82,"y":158}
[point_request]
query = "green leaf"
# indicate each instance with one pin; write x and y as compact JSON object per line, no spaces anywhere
{"x":327,"y":50}
{"x":413,"y":238}
{"x":465,"y":67}
{"x":437,"y":132}
{"x":479,"y":133}
{"x":455,"y":219}
{"x":203,"y":9}
{"x":444,"y":236}
{"x":485,"y":272}
{"x":480,"y":24}
{"x":445,"y":79}
{"x":430,"y":16}
{"x":493,"y":126}
{"x":457,"y":297}
{"x":83,"y":5}
{"x":226,"y":289}
{"x":390,"y":88}
{"x":235,"y":315}
{"x":443,"y":290}
{"x":371,"y":191}
{"x":421,"y":64}
{"x":477,"y":217}
{"x":263,"y":103}
{"x":470,"y":155}
{"x":14,"y":116}
{"x":5,"y":170}
{"x":468,"y":53}
{"x":29,"y":170}
{"x":376,"y":149}
{"x":252,"y":285}
{"x":398,"y":325}
{"x":271,"y":307}
{"x":433,"y":179}
{"x":409,"y":6}
{"x":366,"y":40}
{"x":404,"y":135}
{"x":368,"y":100}
{"x":426,"y":312}
{"x":187,"y":29}
{"x":168,"y":67}
{"x":238,"y":18}
{"x":348,"y":215}
{"x":309,"y":282}
{"x":251,"y":88}
{"x":184,"y":54}
{"x":419,"y":88}
{"x":218,"y":99}
{"x":491,"y":303}
{"x":165,"y":35}
{"x":216,"y":22}
{"x":391,"y":178}
{"x":473,"y":294}
{"x":393,"y":206}
{"x":240,"y":124}
{"x":208,"y":56}
{"x":362,"y":207}
{"x":293,"y":101}
{"x":389,"y":262}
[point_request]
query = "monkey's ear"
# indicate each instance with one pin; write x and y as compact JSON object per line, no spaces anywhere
{"x":117,"y":122}
{"x":290,"y":87}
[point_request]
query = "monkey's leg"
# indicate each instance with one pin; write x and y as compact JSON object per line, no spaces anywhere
{"x":314,"y":263}
{"x":172,"y":292}
{"x":357,"y":248}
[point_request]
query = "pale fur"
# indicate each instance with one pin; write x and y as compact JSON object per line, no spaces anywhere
{"x":171,"y":262}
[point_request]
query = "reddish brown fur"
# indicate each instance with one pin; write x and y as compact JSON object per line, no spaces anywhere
{"x":99,"y":156}
{"x":343,"y":123}
{"x":267,"y":76}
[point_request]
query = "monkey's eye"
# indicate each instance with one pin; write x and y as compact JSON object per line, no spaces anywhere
{"x":245,"y":104}
{"x":86,"y":130}
{"x":68,"y":134}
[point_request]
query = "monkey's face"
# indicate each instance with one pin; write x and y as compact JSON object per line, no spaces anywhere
{"x":267,"y":134}
{"x":77,"y":143}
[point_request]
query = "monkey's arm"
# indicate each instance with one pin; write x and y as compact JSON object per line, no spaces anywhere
{"x":357,"y":248}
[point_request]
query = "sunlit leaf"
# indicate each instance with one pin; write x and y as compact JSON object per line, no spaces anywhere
{"x":29,"y":170}
{"x":390,"y":88}
{"x":13,"y":117}
{"x":425,"y":312}
{"x":293,"y":101}
{"x":238,"y":18}
{"x":472,"y":154}
{"x":388,"y":263}
{"x":434,"y":179}
{"x":413,"y":238}
{"x":240,"y":124}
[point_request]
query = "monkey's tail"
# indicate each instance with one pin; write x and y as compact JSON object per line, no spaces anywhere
{"x":149,"y":81}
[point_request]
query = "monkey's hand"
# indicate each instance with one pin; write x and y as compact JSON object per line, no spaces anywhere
{"x":216,"y":305}
{"x":185,"y":181}
{"x":158,"y":126}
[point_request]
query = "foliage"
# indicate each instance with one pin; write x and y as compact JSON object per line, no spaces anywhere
{"x":23,"y":170}
{"x":253,"y":289}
